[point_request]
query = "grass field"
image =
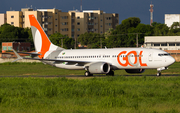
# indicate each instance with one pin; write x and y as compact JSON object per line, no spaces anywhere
{"x":19,"y":69}
{"x":118,"y":94}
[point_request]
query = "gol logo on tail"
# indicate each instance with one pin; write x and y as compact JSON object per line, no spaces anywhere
{"x":128,"y":61}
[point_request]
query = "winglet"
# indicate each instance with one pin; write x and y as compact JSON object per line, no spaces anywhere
{"x":18,"y":56}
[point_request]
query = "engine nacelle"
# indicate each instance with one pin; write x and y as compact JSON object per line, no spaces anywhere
{"x":99,"y":68}
{"x":134,"y":70}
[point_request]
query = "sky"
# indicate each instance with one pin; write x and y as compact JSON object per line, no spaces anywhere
{"x":125,"y":8}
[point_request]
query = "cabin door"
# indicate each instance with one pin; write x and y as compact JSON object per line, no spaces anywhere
{"x":150,"y":57}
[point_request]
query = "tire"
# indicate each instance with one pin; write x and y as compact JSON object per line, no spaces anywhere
{"x":158,"y":74}
{"x":111,"y":73}
{"x":87,"y":73}
{"x":91,"y":75}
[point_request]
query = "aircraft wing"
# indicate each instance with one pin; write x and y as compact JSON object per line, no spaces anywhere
{"x":56,"y":60}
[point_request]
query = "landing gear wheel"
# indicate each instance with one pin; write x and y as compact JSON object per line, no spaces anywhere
{"x":87,"y":73}
{"x":111,"y":73}
{"x":159,"y":74}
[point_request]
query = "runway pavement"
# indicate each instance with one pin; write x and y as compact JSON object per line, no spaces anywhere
{"x":80,"y":76}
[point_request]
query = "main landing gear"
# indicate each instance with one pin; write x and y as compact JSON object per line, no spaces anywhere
{"x":158,"y":73}
{"x":87,"y":73}
{"x":111,"y":73}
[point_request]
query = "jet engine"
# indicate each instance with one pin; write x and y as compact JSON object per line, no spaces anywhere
{"x":99,"y":68}
{"x":134,"y":70}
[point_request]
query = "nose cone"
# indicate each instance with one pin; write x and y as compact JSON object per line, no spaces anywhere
{"x":171,"y":60}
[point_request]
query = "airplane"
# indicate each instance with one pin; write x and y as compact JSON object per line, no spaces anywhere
{"x":96,"y":61}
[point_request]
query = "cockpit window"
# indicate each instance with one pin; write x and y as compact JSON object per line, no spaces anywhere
{"x":163,"y":54}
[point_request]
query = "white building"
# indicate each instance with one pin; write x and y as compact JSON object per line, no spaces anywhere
{"x":162,"y":42}
{"x":171,"y":18}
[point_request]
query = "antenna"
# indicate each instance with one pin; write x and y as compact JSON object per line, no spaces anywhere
{"x":81,"y":6}
{"x":151,"y":13}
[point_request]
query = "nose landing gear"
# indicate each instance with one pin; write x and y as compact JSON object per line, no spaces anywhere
{"x":160,"y":69}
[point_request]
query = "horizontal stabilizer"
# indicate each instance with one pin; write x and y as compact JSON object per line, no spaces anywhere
{"x":33,"y":54}
{"x":18,"y":56}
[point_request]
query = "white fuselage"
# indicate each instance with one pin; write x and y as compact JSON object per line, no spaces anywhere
{"x":118,"y":58}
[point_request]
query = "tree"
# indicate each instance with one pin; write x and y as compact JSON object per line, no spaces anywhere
{"x":161,"y":30}
{"x":68,"y":43}
{"x":9,"y":33}
{"x":56,"y":39}
{"x":126,"y":24}
{"x":92,"y":40}
{"x":121,"y":37}
{"x":142,"y":30}
{"x":131,"y":22}
{"x":174,"y":29}
{"x":154,"y":24}
{"x":175,"y":25}
{"x":30,"y":37}
{"x":109,"y":32}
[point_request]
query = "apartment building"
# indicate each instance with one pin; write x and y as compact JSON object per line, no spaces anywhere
{"x":71,"y":23}
{"x":15,"y":18}
{"x":3,"y":19}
